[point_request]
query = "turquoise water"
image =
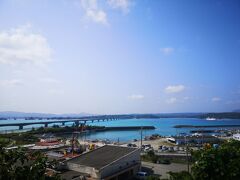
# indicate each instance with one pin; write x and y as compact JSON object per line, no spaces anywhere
{"x":164,"y":126}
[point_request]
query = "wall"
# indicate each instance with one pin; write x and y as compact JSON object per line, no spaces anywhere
{"x":83,"y":169}
{"x":121,"y":164}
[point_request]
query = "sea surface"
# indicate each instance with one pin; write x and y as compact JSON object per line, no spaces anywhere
{"x":164,"y":126}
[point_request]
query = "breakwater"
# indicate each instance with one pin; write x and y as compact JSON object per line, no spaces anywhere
{"x":205,"y":126}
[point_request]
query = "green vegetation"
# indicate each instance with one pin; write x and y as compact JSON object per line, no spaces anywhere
{"x":66,"y":129}
{"x":30,"y":137}
{"x":218,"y":163}
{"x":184,"y":175}
{"x":221,"y":163}
{"x":153,"y":177}
{"x":226,"y":115}
{"x":152,"y":157}
{"x":18,"y":165}
{"x":17,"y":139}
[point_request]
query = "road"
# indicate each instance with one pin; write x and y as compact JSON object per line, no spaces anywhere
{"x":162,"y":169}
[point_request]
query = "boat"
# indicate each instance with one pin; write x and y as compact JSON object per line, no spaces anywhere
{"x":210,"y":119}
{"x":171,"y":139}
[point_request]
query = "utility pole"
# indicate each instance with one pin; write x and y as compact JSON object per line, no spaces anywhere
{"x":141,"y":140}
{"x":186,"y":145}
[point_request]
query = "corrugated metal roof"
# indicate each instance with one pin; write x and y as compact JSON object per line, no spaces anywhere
{"x":102,"y":156}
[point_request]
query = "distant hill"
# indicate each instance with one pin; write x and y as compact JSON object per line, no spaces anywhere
{"x":14,"y":114}
{"x":223,"y":115}
{"x":237,"y":110}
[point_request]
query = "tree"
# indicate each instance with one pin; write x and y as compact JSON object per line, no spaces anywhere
{"x":152,"y":177}
{"x":183,"y":175}
{"x":17,"y":164}
{"x":221,"y":163}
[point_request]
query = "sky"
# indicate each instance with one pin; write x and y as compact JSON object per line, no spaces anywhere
{"x":119,"y":56}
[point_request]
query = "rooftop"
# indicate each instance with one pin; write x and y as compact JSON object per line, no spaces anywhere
{"x":102,"y":156}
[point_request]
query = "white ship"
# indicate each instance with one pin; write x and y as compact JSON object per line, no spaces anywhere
{"x":210,"y":119}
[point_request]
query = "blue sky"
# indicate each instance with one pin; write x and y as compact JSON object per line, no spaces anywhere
{"x":119,"y":56}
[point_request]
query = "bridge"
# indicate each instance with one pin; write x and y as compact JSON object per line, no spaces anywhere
{"x":77,"y":122}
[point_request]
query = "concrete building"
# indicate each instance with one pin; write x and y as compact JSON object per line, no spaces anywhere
{"x":236,"y":137}
{"x":108,"y":162}
{"x":181,"y":140}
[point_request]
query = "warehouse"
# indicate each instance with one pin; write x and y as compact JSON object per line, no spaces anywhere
{"x":108,"y":162}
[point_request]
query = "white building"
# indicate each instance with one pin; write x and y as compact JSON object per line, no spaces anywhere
{"x":236,"y":137}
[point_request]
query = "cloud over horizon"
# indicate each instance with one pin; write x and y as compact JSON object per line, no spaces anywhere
{"x":174,"y":88}
{"x":11,"y":83}
{"x":171,"y":100}
{"x":216,"y":99}
{"x":136,"y":96}
{"x":167,"y":50}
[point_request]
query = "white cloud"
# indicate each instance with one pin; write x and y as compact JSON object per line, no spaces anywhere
{"x":93,"y":12}
{"x":123,"y":5}
{"x":186,"y":98}
{"x":171,"y":100}
{"x":136,"y":96}
{"x":22,"y":45}
{"x":11,"y":83}
{"x":50,"y":80}
{"x":167,"y":50}
{"x":56,"y":91}
{"x":174,"y":89}
{"x":216,"y":99}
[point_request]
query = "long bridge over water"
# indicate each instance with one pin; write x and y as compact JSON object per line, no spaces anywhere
{"x":76,"y":121}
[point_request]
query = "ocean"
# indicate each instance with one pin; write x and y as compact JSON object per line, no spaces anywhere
{"x":164,"y":126}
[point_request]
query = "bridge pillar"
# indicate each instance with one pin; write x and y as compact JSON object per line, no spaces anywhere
{"x":20,"y":127}
{"x":77,"y":123}
{"x":46,"y":125}
{"x":92,"y":121}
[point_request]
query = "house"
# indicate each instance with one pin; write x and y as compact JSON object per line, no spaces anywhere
{"x":236,"y":137}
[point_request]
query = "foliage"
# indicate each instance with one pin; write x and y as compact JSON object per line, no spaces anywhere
{"x":183,"y":175}
{"x":218,"y":163}
{"x":152,"y":157}
{"x":152,"y":177}
{"x":18,"y":164}
{"x":222,"y":163}
{"x":31,"y":136}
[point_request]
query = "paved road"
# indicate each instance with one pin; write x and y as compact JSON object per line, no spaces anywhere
{"x":162,"y":169}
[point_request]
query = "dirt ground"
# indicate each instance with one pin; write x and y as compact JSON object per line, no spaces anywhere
{"x":155,"y":143}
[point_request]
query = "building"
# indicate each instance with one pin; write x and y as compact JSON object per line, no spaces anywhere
{"x":108,"y":162}
{"x":182,"y":140}
{"x":236,"y":137}
{"x":48,"y":138}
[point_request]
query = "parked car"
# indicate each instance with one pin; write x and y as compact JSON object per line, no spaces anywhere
{"x":131,"y":145}
{"x":141,"y":175}
{"x":171,"y":149}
